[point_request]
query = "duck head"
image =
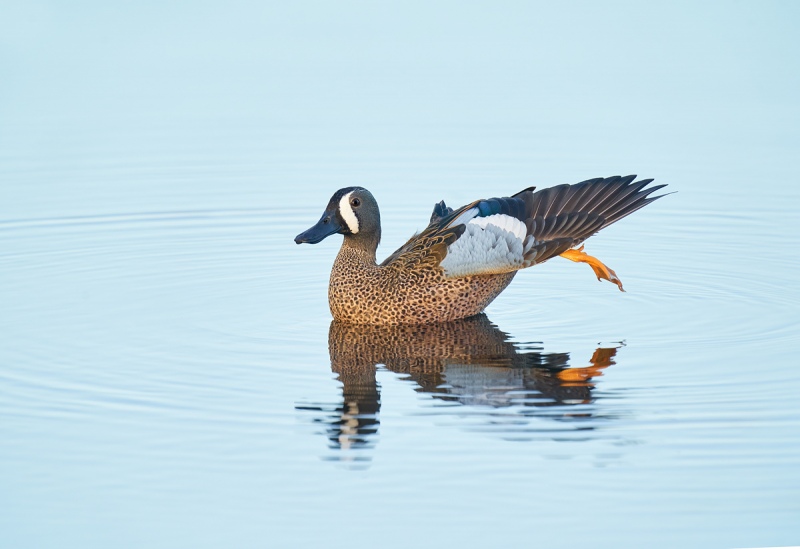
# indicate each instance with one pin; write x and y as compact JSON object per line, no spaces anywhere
{"x":352,"y":212}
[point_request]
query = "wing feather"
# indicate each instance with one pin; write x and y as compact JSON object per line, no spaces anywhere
{"x":505,"y":234}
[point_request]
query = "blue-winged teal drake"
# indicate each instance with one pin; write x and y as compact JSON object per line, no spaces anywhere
{"x":465,"y":257}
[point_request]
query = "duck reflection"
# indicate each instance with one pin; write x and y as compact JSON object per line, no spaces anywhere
{"x":469,"y":362}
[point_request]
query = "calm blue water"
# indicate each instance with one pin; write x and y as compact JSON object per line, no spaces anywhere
{"x":169,"y":373}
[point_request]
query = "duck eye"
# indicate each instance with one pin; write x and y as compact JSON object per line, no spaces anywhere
{"x":326,"y":220}
{"x":355,"y":202}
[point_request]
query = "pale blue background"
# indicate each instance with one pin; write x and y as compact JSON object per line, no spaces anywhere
{"x":158,"y":326}
{"x":681,"y":80}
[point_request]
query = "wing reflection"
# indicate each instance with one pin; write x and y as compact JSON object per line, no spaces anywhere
{"x":469,"y":362}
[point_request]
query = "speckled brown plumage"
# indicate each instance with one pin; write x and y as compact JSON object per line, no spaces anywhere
{"x":445,"y":272}
{"x":362,"y":292}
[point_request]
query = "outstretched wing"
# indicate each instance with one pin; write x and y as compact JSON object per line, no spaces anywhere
{"x":562,"y":217}
{"x":501,"y":235}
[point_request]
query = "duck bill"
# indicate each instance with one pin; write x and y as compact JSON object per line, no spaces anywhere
{"x":320,"y":231}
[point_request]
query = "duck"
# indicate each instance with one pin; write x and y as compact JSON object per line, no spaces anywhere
{"x":465,"y":257}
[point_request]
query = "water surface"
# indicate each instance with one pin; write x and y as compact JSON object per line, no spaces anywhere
{"x":178,"y":367}
{"x":169,"y":372}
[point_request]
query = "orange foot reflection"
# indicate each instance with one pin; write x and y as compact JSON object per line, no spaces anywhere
{"x":597,"y":266}
{"x":601,"y":359}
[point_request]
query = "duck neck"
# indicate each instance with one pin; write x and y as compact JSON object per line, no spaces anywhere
{"x":363,"y":245}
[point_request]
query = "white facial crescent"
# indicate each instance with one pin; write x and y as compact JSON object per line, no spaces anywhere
{"x":348,"y":214}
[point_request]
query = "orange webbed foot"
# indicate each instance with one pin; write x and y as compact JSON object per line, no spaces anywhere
{"x":602,"y":272}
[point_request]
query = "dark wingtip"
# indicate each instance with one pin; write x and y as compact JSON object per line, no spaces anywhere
{"x":523,"y":191}
{"x":665,"y":194}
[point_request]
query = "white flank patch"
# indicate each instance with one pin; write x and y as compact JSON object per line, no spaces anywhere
{"x":505,"y":222}
{"x":483,"y":250}
{"x":348,"y":214}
